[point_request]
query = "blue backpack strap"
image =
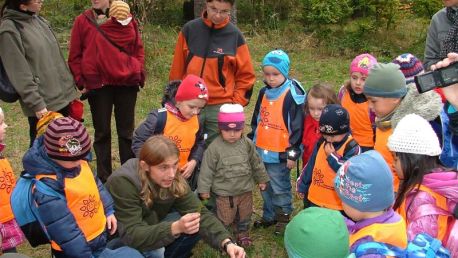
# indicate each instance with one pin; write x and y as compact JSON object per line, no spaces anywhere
{"x":379,"y":249}
{"x":424,"y":245}
{"x":160,"y":122}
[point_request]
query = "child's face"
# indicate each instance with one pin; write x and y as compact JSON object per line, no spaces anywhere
{"x":67,"y":163}
{"x":231,"y":136}
{"x":383,"y":106}
{"x":163,"y":173}
{"x":315,"y":107}
{"x":272,"y":76}
{"x":217,"y":11}
{"x":333,"y":138}
{"x":3,"y":127}
{"x":190,"y":108}
{"x":353,"y":213}
{"x":357,"y":81}
{"x":397,"y":166}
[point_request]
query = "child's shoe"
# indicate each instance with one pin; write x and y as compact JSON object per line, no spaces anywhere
{"x":244,"y":240}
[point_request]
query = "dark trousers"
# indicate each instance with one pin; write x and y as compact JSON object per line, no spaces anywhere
{"x":33,"y":120}
{"x":101,"y":102}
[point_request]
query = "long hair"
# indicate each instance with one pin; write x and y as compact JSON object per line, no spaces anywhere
{"x":12,"y":4}
{"x":156,"y":150}
{"x":321,"y":91}
{"x":414,"y":168}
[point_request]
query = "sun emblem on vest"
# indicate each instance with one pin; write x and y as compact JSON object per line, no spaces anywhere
{"x":90,"y":206}
{"x":203,"y":90}
{"x":6,"y":180}
{"x":264,"y":116}
{"x":318,"y":177}
{"x":176,"y":140}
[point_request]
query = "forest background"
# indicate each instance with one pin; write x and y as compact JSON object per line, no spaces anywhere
{"x":321,"y":38}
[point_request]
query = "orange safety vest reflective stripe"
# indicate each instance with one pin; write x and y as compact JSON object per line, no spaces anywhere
{"x":7,"y":183}
{"x":272,"y":133}
{"x":360,"y":123}
{"x":381,"y":140}
{"x":442,"y":220}
{"x":83,"y":201}
{"x":389,"y":233}
{"x":182,"y":133}
{"x":322,"y":192}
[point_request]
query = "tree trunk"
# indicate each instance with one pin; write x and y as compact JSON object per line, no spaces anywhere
{"x":199,"y":6}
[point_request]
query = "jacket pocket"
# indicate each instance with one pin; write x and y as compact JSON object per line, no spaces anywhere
{"x":235,"y":166}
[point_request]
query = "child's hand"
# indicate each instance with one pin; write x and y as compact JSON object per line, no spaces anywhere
{"x":204,"y":196}
{"x":188,"y":168}
{"x":262,"y":186}
{"x":300,"y":195}
{"x":290,"y":164}
{"x":329,"y":148}
{"x":112,"y":224}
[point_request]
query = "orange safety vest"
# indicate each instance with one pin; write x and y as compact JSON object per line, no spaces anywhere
{"x":442,"y":220}
{"x":381,"y":140}
{"x":83,"y":201}
{"x":7,"y":183}
{"x":272,"y":133}
{"x":322,"y":192}
{"x":389,"y":233}
{"x":360,"y":123}
{"x":182,"y":133}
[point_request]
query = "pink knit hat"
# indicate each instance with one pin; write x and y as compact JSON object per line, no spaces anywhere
{"x":231,"y":117}
{"x":192,"y":87}
{"x":362,"y":64}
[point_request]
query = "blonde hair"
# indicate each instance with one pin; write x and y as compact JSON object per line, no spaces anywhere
{"x":156,"y":150}
{"x":321,"y":91}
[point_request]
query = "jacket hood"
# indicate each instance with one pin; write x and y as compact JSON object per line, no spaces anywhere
{"x":16,"y":15}
{"x":427,"y":105}
{"x":444,"y":183}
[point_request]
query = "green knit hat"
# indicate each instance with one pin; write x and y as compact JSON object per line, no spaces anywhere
{"x":317,"y":232}
{"x":385,"y":80}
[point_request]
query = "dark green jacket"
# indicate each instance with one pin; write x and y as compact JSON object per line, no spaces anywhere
{"x":34,"y":63}
{"x":141,"y":227}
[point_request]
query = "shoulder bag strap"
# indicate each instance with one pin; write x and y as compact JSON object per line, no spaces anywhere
{"x":93,"y":22}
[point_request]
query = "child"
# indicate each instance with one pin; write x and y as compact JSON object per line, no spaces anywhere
{"x":428,"y":193}
{"x":277,"y":132}
{"x":317,"y":98}
{"x":365,"y":185}
{"x":120,"y":11}
{"x":229,"y":168}
{"x":179,"y":122}
{"x":391,"y":100}
{"x":316,"y":183}
{"x":76,"y":224}
{"x":352,"y":99}
{"x":317,"y":232}
{"x":10,"y":233}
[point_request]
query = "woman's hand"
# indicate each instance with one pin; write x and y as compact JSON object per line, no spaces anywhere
{"x":112,"y":224}
{"x":41,"y":113}
{"x":188,"y":168}
{"x":188,"y":224}
{"x":450,"y":92}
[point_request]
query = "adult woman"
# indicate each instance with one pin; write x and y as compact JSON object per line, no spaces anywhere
{"x":107,"y":61}
{"x":145,"y":190}
{"x":214,"y":49}
{"x":33,"y":61}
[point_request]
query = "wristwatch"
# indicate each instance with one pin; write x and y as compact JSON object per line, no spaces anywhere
{"x":228,"y":243}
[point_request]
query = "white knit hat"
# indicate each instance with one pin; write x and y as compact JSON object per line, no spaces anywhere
{"x":414,"y":134}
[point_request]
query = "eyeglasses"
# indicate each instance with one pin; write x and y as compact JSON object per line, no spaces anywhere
{"x":216,"y":11}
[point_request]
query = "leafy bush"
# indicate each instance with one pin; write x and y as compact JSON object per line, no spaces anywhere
{"x":425,"y":8}
{"x":319,"y":12}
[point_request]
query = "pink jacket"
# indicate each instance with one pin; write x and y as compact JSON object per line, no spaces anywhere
{"x":442,"y":182}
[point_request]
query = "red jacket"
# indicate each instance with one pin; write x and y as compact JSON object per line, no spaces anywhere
{"x":96,"y":62}
{"x":310,"y":137}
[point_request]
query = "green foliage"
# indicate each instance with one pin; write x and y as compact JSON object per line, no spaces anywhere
{"x":319,"y":12}
{"x":425,"y":8}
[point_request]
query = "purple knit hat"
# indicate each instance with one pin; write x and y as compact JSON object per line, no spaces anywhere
{"x":410,"y":66}
{"x":66,"y":139}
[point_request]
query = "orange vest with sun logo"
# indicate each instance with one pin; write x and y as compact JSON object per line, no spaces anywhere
{"x":83,"y":201}
{"x":182,"y":133}
{"x":7,"y":183}
{"x":322,"y":192}
{"x":360,"y":122}
{"x":389,"y":233}
{"x":272,"y":133}
{"x":381,"y":140}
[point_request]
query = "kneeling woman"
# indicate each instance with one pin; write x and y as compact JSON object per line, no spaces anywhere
{"x":146,"y":189}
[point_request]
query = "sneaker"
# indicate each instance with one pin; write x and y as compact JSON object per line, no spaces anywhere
{"x":263,"y":223}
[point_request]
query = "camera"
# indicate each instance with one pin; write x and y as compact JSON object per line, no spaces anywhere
{"x":441,"y":78}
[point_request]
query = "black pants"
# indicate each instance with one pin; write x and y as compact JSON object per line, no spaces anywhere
{"x":102,"y":101}
{"x":33,"y":120}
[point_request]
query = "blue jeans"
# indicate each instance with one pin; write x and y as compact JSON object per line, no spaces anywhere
{"x":277,"y":196}
{"x":124,"y":251}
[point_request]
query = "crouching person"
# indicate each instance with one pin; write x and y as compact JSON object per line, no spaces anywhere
{"x":146,"y":190}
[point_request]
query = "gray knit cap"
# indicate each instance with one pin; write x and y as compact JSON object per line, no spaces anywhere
{"x":385,"y":80}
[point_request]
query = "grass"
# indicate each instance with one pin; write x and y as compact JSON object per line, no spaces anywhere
{"x":310,"y":63}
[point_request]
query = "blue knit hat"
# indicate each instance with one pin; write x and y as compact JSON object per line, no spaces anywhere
{"x":278,"y":59}
{"x":365,"y":182}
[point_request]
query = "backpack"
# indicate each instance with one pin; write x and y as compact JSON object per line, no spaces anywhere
{"x":26,"y":211}
{"x":7,"y":91}
{"x":422,"y":246}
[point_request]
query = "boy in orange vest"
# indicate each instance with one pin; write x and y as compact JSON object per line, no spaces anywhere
{"x":316,"y":183}
{"x":365,"y":185}
{"x":277,"y":126}
{"x":77,"y":223}
{"x":10,"y":233}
